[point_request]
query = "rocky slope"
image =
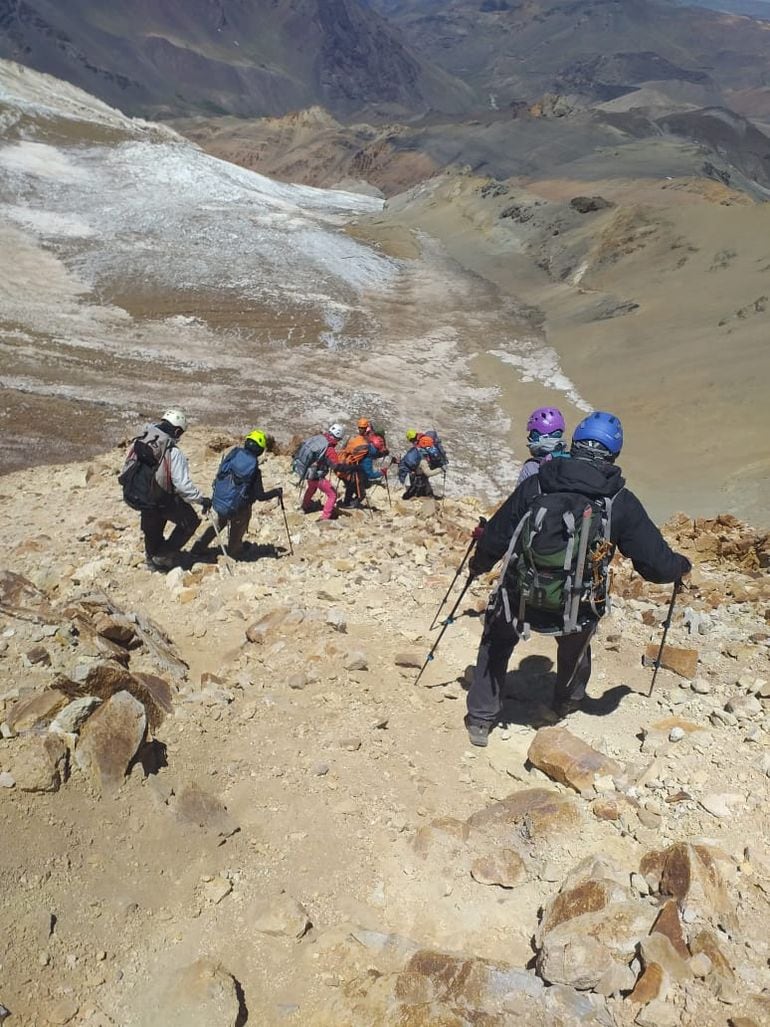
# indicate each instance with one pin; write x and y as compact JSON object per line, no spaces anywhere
{"x":225,"y":802}
{"x":598,"y":50}
{"x":246,"y":58}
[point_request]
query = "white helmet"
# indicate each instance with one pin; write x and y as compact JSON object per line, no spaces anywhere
{"x":336,"y":430}
{"x":176,"y":417}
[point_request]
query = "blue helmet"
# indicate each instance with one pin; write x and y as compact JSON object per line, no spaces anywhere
{"x":603,"y":428}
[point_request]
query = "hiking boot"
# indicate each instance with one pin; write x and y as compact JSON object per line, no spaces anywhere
{"x":564,"y":707}
{"x":163,"y":561}
{"x":478,"y":734}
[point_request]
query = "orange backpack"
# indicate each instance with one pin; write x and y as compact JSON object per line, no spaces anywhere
{"x":353,"y":452}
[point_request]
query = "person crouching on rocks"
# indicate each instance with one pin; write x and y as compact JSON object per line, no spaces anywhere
{"x":237,"y":486}
{"x":156,"y":481}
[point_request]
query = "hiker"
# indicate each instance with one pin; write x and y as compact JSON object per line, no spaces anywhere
{"x":236,"y":487}
{"x":545,"y":440}
{"x":561,"y":524}
{"x":156,"y":481}
{"x":312,"y":463}
{"x":376,"y":437}
{"x":424,"y":460}
{"x":356,"y":468}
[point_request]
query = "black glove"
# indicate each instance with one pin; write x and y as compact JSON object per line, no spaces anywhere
{"x":686,"y":567}
{"x":205,"y":504}
{"x":277,"y":493}
{"x":473,"y":567}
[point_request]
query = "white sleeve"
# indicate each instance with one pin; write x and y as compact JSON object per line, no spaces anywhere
{"x":180,"y":477}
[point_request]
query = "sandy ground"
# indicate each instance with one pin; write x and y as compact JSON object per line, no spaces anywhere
{"x":686,"y":369}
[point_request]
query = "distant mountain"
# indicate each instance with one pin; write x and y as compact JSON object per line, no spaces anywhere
{"x":244,"y":57}
{"x":596,"y":49}
{"x":751,"y":8}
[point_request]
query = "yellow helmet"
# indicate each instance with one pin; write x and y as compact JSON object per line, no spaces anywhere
{"x":258,"y":438}
{"x":411,"y":435}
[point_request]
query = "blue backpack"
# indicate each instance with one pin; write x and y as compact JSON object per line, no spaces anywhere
{"x":233,"y":481}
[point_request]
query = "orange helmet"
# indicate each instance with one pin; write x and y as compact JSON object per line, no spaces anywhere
{"x":363,"y":424}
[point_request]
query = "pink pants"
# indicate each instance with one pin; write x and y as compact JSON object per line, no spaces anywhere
{"x":328,"y":490}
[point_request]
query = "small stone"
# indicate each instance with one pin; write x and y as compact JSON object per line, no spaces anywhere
{"x":409,"y":660}
{"x":676,"y":734}
{"x":336,"y":619}
{"x":744,"y":706}
{"x":504,"y":868}
{"x":298,"y":681}
{"x":281,"y":916}
{"x":701,"y":686}
{"x":639,"y":884}
{"x":700,"y":964}
{"x":658,"y":1013}
{"x":352,"y":744}
{"x":7,"y":780}
{"x":174,"y":578}
{"x":74,"y":715}
{"x":357,"y":661}
{"x":683,"y":662}
{"x":216,"y":890}
{"x":718,"y":804}
{"x":320,"y":769}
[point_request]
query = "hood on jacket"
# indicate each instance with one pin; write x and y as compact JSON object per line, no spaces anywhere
{"x":590,"y":478}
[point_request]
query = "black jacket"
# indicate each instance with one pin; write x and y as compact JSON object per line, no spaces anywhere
{"x":631,"y":529}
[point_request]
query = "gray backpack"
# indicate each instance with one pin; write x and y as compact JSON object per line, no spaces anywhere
{"x":309,"y":463}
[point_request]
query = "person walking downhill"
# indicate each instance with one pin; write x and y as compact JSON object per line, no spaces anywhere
{"x":545,"y":440}
{"x":156,"y":481}
{"x":312,"y":463}
{"x":237,"y":486}
{"x":355,"y":466}
{"x":556,"y":534}
{"x":423,"y":460}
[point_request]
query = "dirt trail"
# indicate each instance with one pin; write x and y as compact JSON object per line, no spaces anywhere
{"x":335,"y":792}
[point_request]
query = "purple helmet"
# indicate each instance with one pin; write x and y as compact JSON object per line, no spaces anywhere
{"x":545,"y":420}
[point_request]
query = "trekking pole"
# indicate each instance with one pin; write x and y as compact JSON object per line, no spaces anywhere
{"x":449,"y":620}
{"x":215,"y":525}
{"x":387,"y":486}
{"x":286,"y":525}
{"x":468,"y":551}
{"x":666,"y":626}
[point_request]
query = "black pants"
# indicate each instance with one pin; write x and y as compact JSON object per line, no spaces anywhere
{"x":153,"y":524}
{"x":497,"y":645}
{"x":355,"y":487}
{"x":418,"y":486}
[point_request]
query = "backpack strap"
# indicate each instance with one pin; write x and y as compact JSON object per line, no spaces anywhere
{"x":574,"y":588}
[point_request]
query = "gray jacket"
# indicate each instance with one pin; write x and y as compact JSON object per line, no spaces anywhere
{"x":173,"y":473}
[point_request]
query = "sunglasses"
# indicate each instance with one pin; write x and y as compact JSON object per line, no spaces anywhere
{"x":536,"y":436}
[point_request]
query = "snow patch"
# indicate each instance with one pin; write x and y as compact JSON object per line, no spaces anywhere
{"x":538,"y":363}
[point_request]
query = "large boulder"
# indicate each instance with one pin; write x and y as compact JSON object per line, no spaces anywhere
{"x":569,"y":760}
{"x":690,"y":874}
{"x":109,"y":741}
{"x":36,"y":710}
{"x":534,"y":813}
{"x":435,"y":989}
